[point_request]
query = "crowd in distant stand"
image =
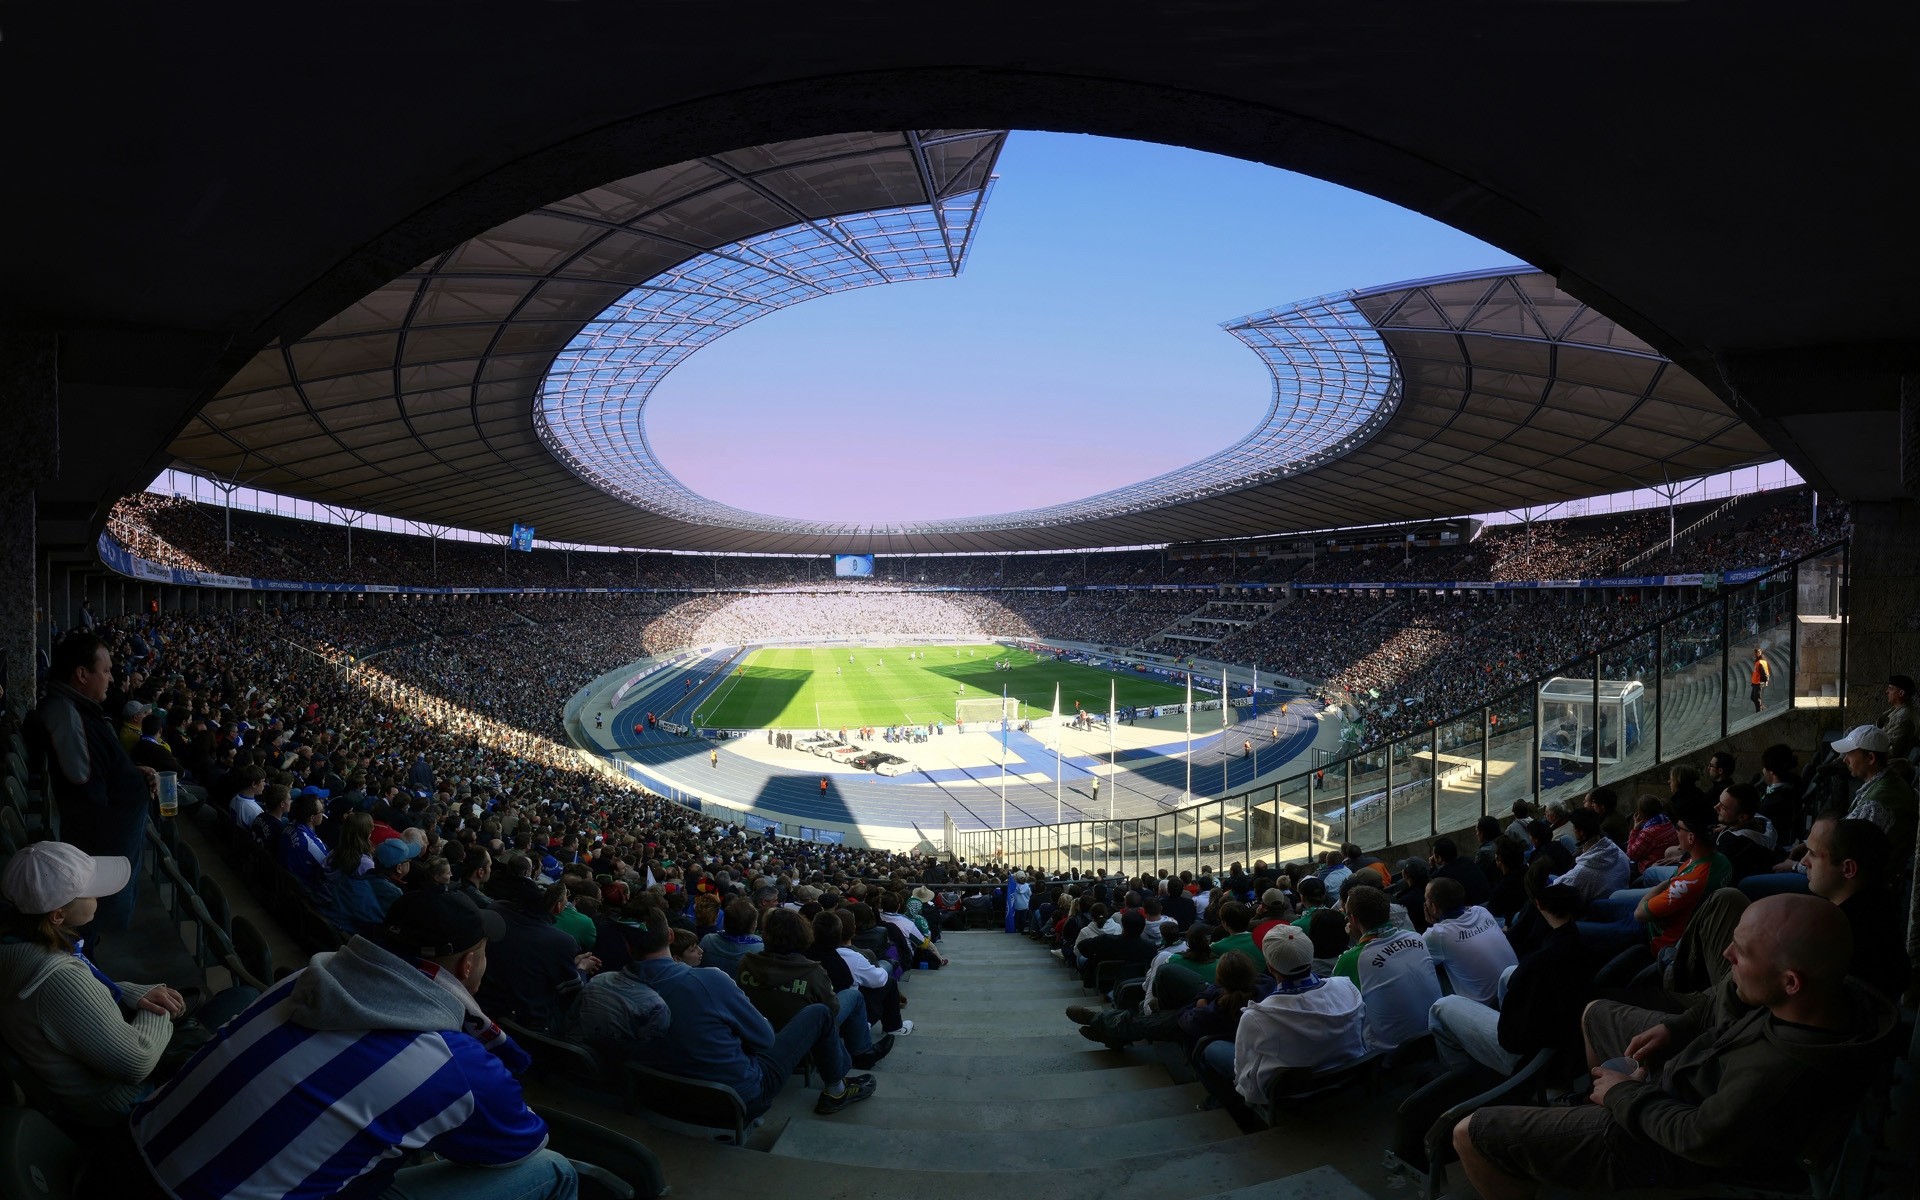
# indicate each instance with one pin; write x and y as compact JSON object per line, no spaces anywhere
{"x":1430,"y":656}
{"x":181,"y":533}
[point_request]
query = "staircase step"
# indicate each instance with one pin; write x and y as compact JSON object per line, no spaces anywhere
{"x":914,"y":1055}
{"x":1321,"y":1183}
{"x":1022,"y":1111}
{"x":828,"y":1139}
{"x":1138,"y":1076}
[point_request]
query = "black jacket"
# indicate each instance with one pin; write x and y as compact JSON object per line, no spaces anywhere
{"x":530,"y":973}
{"x":1181,"y":908}
{"x":1879,"y":943}
{"x":1113,"y":947}
{"x":1470,"y":877}
{"x":1546,"y":995}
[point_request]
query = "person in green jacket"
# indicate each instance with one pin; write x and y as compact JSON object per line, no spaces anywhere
{"x":1722,"y":1093}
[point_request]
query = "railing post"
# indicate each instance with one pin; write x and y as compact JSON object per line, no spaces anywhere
{"x":1596,"y":719}
{"x":1389,"y":795}
{"x":1726,"y":667}
{"x":1659,"y":690}
{"x":1346,"y":810}
{"x":1843,"y":603}
{"x":1433,"y":780}
{"x":1486,"y":738}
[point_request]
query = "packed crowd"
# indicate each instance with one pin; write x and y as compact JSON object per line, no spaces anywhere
{"x":181,"y":533}
{"x":427,"y":834}
{"x":1775,"y":533}
{"x":480,"y":875}
{"x":1672,"y":971}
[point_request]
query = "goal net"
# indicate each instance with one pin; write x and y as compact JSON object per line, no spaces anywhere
{"x":984,"y":709}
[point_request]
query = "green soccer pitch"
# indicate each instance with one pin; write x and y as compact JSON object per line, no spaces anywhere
{"x":780,"y":688}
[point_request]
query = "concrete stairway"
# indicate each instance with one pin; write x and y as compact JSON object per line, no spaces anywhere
{"x":996,"y":1091}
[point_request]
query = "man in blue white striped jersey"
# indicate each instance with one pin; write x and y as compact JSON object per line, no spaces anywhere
{"x":328,"y":1083}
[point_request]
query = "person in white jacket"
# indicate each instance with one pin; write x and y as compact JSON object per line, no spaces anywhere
{"x":1600,"y":868}
{"x":1308,"y":1022}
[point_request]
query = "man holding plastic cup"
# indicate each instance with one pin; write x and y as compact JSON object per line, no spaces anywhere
{"x":100,"y":794}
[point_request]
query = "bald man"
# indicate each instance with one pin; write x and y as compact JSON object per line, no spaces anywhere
{"x":1731,"y":1091}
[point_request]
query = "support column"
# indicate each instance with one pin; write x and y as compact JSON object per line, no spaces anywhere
{"x":29,"y":394}
{"x":1883,"y":607}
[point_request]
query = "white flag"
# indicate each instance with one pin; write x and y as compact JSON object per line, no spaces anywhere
{"x":1056,"y":705}
{"x":1223,"y":696}
{"x":650,"y":878}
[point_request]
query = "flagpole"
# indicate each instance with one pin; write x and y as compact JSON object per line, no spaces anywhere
{"x":1189,"y":716}
{"x":1057,"y":735}
{"x":1226,"y":757}
{"x":1003,"y":765}
{"x":1113,"y":712}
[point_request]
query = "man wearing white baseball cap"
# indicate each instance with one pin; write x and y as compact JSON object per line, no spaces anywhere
{"x":91,"y":1042}
{"x":1883,"y":797}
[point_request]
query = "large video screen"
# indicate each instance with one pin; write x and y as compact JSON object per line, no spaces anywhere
{"x":853,"y":566}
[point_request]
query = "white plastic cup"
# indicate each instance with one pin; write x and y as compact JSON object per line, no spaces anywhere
{"x":1623,"y":1064}
{"x":169,"y":793}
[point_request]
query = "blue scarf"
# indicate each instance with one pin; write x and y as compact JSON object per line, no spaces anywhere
{"x":1293,"y":987}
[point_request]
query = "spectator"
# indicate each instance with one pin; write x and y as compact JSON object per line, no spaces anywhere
{"x":1540,"y":999}
{"x":1214,"y":1013}
{"x":1128,"y":948}
{"x":1703,"y":1105}
{"x":274,"y":821}
{"x":250,"y":784}
{"x":718,"y":1035}
{"x":618,"y":1014}
{"x":1487,"y":830}
{"x":1600,"y":868}
{"x":1392,"y":969}
{"x":1883,"y":797}
{"x":1307,"y":1023}
{"x":93,"y":1043}
{"x":735,"y":939}
{"x":1744,"y":836}
{"x":1545,"y":845}
{"x":101,"y":795}
{"x":1780,"y":801}
{"x":1466,"y":942}
{"x":784,"y":969}
{"x":1652,"y":833}
{"x":1850,"y":864}
{"x":327,"y":1083}
{"x":1509,"y":895}
{"x":1897,"y":722}
{"x":1447,"y":864}
{"x":1657,"y":918}
{"x":877,"y":986}
{"x":392,"y":861}
{"x":476,"y":871}
{"x":1613,"y":823}
{"x":302,"y":852}
{"x":536,"y":966}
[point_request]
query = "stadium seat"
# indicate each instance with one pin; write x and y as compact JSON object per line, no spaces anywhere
{"x":12,"y":830}
{"x":251,"y":949}
{"x":37,"y":1160}
{"x":612,"y":1166}
{"x":779,"y":1008}
{"x":189,"y":864}
{"x":692,"y":1101}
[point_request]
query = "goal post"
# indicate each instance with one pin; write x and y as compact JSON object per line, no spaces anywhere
{"x":975,"y":709}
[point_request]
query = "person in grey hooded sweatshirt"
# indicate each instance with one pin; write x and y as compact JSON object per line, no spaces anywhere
{"x":328,"y":1084}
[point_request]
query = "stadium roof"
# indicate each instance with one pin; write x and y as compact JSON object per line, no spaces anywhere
{"x":506,"y":380}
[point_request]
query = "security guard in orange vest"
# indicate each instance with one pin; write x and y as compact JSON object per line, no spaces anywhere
{"x":1761,"y":677}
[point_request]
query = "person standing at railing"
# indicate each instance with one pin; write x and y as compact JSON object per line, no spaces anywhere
{"x":100,"y":793}
{"x":1759,"y":678}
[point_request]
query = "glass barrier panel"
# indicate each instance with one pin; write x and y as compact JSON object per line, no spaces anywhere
{"x":1629,"y":707}
{"x":1365,"y":819}
{"x":1293,"y":801}
{"x":1326,"y":804}
{"x":1690,"y":681}
{"x":1510,"y":751}
{"x":1166,"y":843}
{"x":1817,"y":630}
{"x":1413,"y":775}
{"x":1216,"y":833}
{"x":1457,"y":763}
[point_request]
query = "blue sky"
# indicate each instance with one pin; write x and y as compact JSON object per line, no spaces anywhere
{"x":1079,"y":351}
